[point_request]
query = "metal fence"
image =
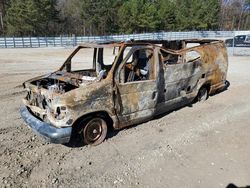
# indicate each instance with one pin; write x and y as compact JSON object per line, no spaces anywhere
{"x":65,"y":41}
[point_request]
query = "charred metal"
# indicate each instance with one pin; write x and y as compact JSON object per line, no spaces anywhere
{"x":128,"y":83}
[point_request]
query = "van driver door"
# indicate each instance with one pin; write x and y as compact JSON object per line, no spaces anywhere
{"x":136,"y":88}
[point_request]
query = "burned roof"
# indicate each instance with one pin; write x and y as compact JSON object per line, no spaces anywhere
{"x":115,"y":43}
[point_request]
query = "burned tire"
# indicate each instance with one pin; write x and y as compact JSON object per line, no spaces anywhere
{"x":94,"y":131}
{"x":202,"y":94}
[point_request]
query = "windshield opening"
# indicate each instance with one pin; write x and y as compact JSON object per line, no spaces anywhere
{"x":91,"y":63}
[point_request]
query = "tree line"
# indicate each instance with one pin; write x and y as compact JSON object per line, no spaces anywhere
{"x":97,"y":17}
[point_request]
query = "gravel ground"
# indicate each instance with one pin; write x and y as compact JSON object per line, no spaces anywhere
{"x":203,"y":145}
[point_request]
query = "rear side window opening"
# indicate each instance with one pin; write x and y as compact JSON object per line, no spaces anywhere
{"x":192,"y":56}
{"x":170,"y":58}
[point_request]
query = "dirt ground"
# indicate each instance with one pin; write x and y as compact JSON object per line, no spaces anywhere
{"x":203,"y":145}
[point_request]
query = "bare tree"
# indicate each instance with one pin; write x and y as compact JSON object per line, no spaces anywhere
{"x":233,"y":14}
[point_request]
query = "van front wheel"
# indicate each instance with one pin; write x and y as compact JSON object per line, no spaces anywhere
{"x":95,"y":131}
{"x":202,"y":94}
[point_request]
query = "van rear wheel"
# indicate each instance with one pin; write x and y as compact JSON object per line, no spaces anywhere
{"x":202,"y":94}
{"x":95,"y":131}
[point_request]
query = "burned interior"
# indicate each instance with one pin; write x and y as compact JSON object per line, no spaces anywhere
{"x":117,"y":84}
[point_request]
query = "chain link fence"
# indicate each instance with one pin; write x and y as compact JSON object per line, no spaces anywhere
{"x":67,"y":41}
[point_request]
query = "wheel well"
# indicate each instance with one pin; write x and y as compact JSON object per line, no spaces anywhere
{"x":77,"y":127}
{"x":207,"y":86}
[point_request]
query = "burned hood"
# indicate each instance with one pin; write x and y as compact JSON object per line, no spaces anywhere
{"x":59,"y":81}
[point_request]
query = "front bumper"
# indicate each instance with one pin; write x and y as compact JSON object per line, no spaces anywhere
{"x":45,"y":130}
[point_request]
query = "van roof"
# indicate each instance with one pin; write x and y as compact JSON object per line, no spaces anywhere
{"x":102,"y":44}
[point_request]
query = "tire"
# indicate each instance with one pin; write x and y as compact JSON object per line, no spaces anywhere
{"x":227,"y":84}
{"x":94,"y":131}
{"x":202,"y":94}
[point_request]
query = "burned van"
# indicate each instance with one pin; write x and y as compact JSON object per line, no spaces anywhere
{"x":114,"y":85}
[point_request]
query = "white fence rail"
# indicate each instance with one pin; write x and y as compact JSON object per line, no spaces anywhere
{"x":67,"y":41}
{"x":35,"y":42}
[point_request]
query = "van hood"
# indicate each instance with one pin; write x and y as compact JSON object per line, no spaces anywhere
{"x":60,"y":82}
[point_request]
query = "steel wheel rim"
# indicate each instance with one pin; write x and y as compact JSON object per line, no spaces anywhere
{"x":93,"y":130}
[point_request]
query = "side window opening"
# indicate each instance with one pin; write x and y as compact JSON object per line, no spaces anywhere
{"x":109,"y":55}
{"x":174,"y":45}
{"x":105,"y":59}
{"x":169,"y":58}
{"x":192,"y":56}
{"x":138,"y":66}
{"x":192,"y":44}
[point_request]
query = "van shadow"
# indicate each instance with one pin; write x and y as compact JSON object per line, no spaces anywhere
{"x":77,"y":139}
{"x":231,"y":185}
